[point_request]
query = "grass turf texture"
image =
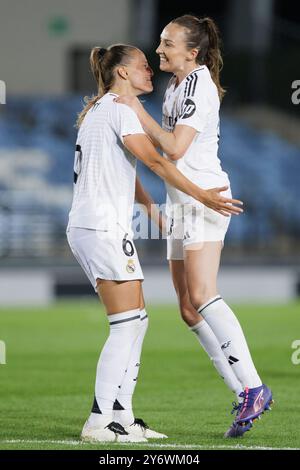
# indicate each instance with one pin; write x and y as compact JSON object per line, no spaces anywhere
{"x":47,"y":383}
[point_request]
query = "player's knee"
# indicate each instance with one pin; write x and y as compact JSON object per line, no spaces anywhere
{"x":187,"y":313}
{"x":201,"y":296}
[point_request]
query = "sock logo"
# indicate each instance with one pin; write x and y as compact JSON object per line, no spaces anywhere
{"x":225,"y":345}
{"x":232,"y":360}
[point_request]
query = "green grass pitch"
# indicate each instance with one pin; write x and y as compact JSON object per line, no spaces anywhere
{"x":47,"y":383}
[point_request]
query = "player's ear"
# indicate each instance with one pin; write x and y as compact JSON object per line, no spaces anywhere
{"x":192,"y":54}
{"x":122,"y":72}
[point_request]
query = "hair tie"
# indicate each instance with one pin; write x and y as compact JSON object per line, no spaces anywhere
{"x":101,"y":52}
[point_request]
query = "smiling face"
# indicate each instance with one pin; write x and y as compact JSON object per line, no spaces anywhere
{"x":139,"y":73}
{"x":175,"y":57}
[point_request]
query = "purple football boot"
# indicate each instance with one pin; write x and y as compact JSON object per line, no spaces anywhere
{"x":255,"y":402}
{"x":236,"y":429}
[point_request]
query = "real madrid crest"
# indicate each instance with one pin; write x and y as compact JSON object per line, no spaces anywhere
{"x":130,"y":268}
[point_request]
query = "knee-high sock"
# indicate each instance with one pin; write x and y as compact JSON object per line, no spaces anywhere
{"x":231,"y":338}
{"x":123,"y":412}
{"x":212,"y":347}
{"x":113,"y":361}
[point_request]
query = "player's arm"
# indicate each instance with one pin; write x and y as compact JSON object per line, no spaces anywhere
{"x":154,"y":142}
{"x":174,"y":144}
{"x":144,"y":198}
{"x":141,"y":147}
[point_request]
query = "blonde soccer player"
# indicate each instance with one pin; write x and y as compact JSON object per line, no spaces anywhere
{"x":110,"y":139}
{"x":189,"y":50}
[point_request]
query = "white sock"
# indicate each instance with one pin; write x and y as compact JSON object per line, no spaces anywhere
{"x":231,"y":338}
{"x":113,"y":361}
{"x":211,"y":345}
{"x":123,"y":412}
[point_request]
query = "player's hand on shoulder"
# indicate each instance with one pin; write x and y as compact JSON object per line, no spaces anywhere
{"x":132,"y":101}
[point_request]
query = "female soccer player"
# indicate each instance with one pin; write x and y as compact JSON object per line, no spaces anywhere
{"x":189,"y":49}
{"x":100,"y":236}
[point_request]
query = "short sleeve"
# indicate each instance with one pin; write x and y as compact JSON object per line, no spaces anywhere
{"x":127,"y":121}
{"x":194,"y":105}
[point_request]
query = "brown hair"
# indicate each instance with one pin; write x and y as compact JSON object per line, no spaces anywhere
{"x":103,"y":63}
{"x":203,"y":34}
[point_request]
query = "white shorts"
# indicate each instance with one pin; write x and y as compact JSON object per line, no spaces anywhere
{"x":192,"y":225}
{"x":105,"y":255}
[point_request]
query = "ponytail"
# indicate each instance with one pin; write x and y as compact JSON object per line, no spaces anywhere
{"x":213,"y":59}
{"x":96,"y":57}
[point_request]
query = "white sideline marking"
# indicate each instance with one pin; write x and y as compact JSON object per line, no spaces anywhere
{"x":148,"y":444}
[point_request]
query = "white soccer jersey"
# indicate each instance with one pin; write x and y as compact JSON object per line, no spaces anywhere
{"x":104,"y":171}
{"x":195,"y":103}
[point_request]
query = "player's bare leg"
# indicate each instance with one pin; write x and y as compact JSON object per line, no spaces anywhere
{"x":201,"y":328}
{"x":188,"y":313}
{"x":201,"y":269}
{"x":119,"y":296}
